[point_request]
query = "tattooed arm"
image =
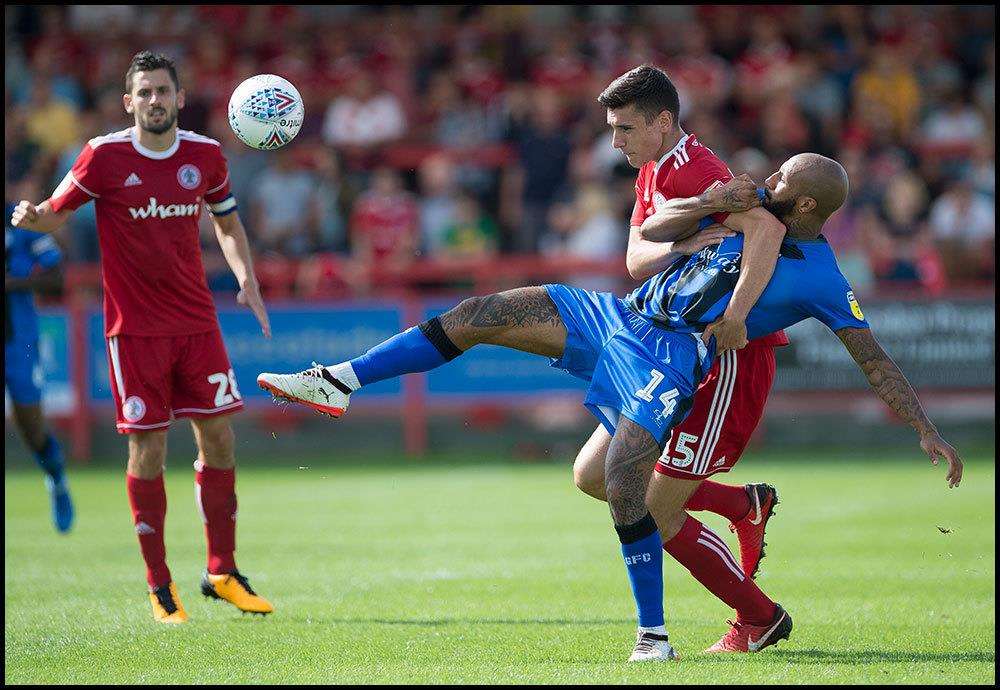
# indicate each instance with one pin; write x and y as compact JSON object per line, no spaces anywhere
{"x":895,"y":391}
{"x":679,"y":217}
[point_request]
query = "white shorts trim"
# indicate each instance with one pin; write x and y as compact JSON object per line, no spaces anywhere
{"x":116,"y":367}
{"x":230,"y":406}
{"x":142,"y":426}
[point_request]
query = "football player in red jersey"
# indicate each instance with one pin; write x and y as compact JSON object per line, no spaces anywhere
{"x":680,"y":183}
{"x":165,"y":351}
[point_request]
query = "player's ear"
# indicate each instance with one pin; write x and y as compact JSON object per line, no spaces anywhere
{"x":666,"y":121}
{"x":805,"y":204}
{"x":127,"y":102}
{"x":180,"y":99}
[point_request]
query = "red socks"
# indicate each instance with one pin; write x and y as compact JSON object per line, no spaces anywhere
{"x":722,"y":499}
{"x":703,"y":552}
{"x":148,"y":500}
{"x":215,"y":494}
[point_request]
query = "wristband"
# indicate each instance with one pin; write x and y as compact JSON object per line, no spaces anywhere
{"x":761,"y":194}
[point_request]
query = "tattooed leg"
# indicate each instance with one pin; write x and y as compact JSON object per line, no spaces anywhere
{"x":631,"y":456}
{"x":627,"y":469}
{"x":522,"y":319}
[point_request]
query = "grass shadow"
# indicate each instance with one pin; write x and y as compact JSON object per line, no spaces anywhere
{"x":880,"y":656}
{"x":435,"y":622}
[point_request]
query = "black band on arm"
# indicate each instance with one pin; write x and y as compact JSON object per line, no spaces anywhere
{"x":629,"y":534}
{"x":434,"y":332}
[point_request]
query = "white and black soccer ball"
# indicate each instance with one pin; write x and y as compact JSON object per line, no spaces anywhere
{"x":266,"y":112}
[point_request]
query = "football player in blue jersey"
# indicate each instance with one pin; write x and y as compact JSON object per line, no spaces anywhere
{"x":644,"y":356}
{"x":32,"y":261}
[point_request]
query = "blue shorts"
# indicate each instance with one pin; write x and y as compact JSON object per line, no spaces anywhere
{"x":23,"y":372}
{"x":636,"y":369}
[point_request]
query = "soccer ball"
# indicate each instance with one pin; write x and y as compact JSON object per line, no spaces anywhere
{"x":266,"y":112}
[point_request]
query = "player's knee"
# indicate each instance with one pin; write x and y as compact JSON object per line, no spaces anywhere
{"x":216,"y":445}
{"x":147,"y":454}
{"x":587,"y":480}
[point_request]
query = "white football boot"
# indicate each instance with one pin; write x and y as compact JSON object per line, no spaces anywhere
{"x":316,"y":388}
{"x":652,"y":647}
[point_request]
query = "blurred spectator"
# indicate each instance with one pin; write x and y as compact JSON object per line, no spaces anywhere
{"x":543,"y":147}
{"x":385,"y":222}
{"x":438,"y":201}
{"x":957,"y":124}
{"x":284,"y":205}
{"x":888,"y":85}
{"x":52,"y":124}
{"x":472,"y":233}
{"x":964,"y":225}
{"x":331,"y":229}
{"x":585,"y":228}
{"x":364,"y":117}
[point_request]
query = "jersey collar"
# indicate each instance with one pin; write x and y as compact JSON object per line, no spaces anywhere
{"x":150,"y":153}
{"x":678,"y":149}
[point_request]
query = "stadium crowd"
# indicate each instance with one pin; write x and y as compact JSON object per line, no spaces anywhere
{"x":469,"y":132}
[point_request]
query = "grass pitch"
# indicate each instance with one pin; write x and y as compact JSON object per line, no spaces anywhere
{"x":500,"y":574}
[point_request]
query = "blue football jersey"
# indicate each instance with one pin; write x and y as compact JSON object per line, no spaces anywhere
{"x":23,"y":252}
{"x":807,"y":282}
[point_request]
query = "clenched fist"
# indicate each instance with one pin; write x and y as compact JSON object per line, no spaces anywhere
{"x":25,"y":215}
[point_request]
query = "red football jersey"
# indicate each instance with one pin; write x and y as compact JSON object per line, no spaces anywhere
{"x":686,"y":170}
{"x":148,"y":204}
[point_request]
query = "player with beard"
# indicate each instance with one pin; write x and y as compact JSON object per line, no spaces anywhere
{"x":643,"y":356}
{"x":165,"y":350}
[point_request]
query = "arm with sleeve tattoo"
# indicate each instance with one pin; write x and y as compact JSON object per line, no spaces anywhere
{"x":678,"y":218}
{"x":895,"y":391}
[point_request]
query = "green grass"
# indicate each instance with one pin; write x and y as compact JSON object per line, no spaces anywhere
{"x":500,"y":574}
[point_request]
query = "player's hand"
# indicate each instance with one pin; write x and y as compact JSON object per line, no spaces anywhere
{"x":250,"y":296}
{"x":737,"y":195}
{"x":708,"y":237}
{"x":936,"y":447}
{"x":730,"y":334}
{"x":25,"y":215}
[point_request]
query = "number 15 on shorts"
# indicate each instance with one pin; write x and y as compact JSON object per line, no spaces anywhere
{"x":668,"y":399}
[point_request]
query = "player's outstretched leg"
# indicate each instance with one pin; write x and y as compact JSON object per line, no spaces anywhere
{"x":48,"y":455}
{"x":522,"y":319}
{"x":215,"y":494}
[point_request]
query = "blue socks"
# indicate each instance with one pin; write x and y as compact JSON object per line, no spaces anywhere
{"x":643,"y":553}
{"x":416,"y":349}
{"x":50,"y":459}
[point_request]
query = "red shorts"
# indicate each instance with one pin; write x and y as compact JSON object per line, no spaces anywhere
{"x":155,"y":379}
{"x":727,"y":407}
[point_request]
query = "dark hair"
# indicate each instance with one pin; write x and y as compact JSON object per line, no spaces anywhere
{"x":648,"y":88}
{"x":146,"y":62}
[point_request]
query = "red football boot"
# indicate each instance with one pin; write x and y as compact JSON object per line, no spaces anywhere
{"x":750,"y":530}
{"x":743,"y":637}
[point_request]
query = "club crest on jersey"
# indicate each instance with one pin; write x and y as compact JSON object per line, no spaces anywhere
{"x":659,"y":201}
{"x":855,"y":307}
{"x":133,"y":409}
{"x":189,"y":176}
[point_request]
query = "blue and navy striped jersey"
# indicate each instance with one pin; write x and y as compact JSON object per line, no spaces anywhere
{"x":695,"y":291}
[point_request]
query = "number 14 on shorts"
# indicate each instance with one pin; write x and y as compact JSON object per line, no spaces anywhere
{"x":668,"y":399}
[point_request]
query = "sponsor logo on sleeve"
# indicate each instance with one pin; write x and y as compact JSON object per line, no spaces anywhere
{"x":855,"y":307}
